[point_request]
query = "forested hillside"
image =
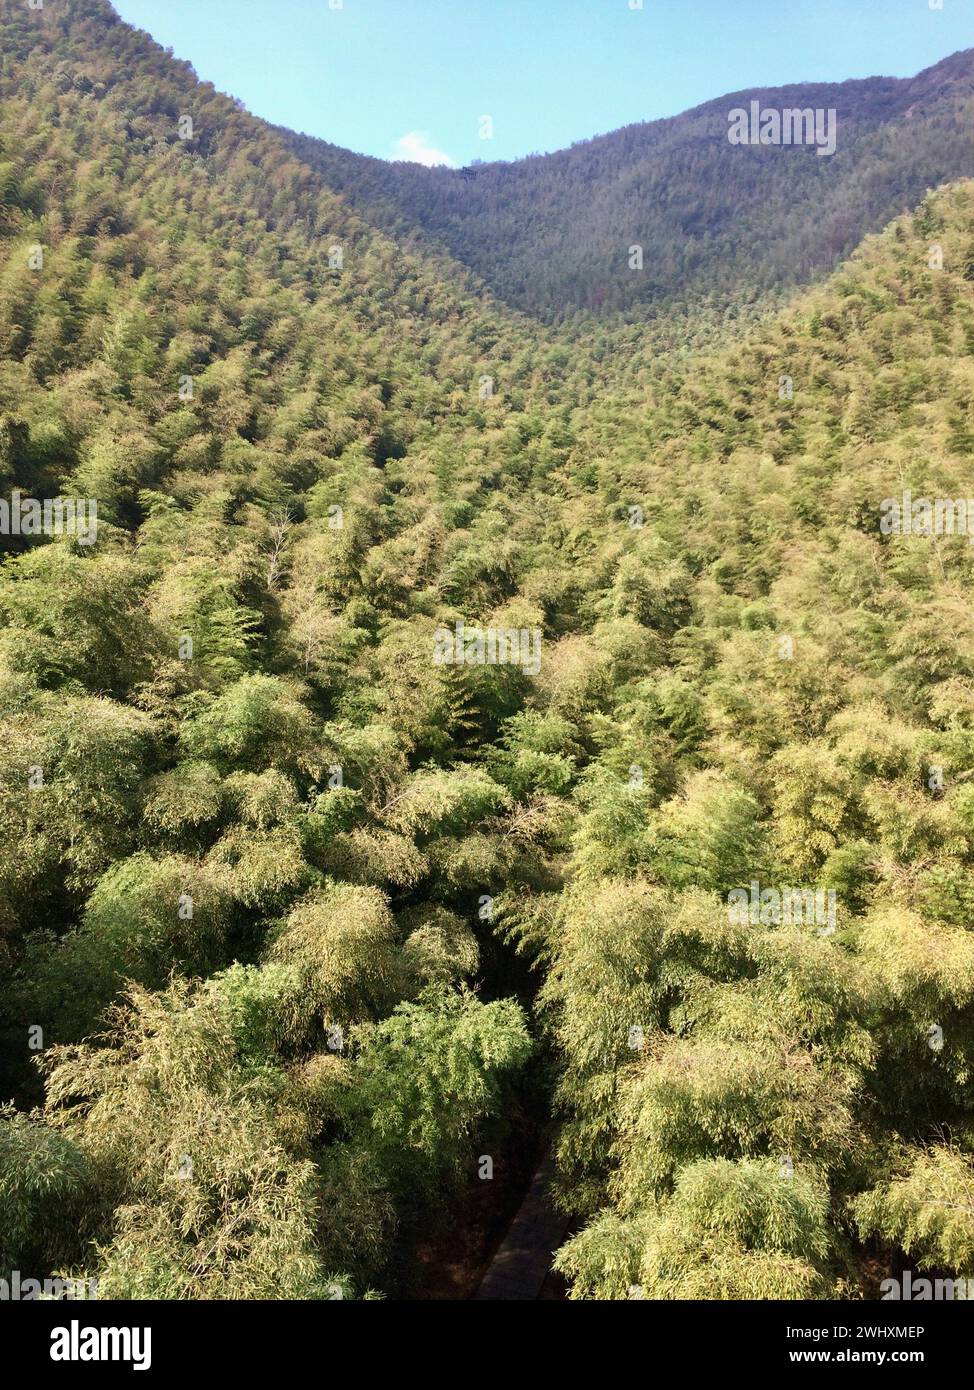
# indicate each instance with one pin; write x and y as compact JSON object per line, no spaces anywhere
{"x":721,"y":227}
{"x":298,"y":916}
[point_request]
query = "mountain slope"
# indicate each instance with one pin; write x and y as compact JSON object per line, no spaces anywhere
{"x":747,"y":1098}
{"x":718,"y":222}
{"x":261,"y":432}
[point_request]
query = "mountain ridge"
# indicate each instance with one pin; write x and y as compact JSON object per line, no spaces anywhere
{"x":550,"y":233}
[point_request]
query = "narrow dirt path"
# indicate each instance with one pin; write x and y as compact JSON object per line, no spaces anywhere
{"x":521,"y":1269}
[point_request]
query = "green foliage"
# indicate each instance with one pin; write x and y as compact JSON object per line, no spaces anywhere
{"x":928,"y":1210}
{"x":265,"y":862}
{"x":255,"y":718}
{"x":739,"y":1230}
{"x":40,"y":1171}
{"x":342,"y":945}
{"x":427,"y":1073}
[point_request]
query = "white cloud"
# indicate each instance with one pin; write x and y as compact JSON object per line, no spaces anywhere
{"x":415,"y":147}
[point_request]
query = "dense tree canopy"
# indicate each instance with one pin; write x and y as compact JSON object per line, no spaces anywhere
{"x":293,"y":912}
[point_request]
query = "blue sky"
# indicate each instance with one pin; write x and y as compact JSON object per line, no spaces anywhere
{"x":410,"y":78}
